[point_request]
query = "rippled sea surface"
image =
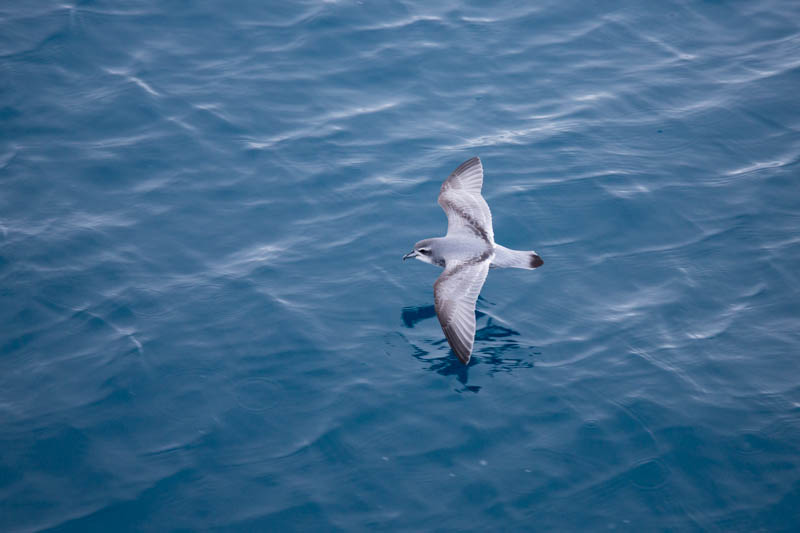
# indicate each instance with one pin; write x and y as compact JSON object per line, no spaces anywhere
{"x":205,"y":322}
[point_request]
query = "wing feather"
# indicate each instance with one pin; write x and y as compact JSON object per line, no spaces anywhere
{"x":455,"y":293}
{"x":466,"y":210}
{"x":467,"y":177}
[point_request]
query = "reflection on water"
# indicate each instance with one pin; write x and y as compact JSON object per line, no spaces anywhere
{"x":412,"y":315}
{"x":494,"y":345}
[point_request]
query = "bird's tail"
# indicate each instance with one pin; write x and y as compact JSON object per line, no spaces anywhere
{"x":508,"y":258}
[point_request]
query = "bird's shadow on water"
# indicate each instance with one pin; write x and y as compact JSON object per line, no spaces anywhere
{"x":501,"y":357}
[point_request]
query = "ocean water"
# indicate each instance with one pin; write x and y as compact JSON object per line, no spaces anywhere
{"x":205,"y":322}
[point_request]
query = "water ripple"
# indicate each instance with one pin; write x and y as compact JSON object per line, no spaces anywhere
{"x":208,"y":325}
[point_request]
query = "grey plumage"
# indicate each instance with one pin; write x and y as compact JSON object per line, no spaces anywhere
{"x":466,"y":253}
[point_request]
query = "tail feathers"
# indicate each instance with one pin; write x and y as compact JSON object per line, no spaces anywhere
{"x":507,"y":258}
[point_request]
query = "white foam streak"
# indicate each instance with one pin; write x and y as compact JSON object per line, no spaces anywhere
{"x":761,"y":165}
{"x":402,"y":22}
{"x":323,"y":126}
{"x":134,"y":79}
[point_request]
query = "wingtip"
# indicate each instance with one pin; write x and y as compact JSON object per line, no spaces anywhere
{"x":467,"y":176}
{"x":462,"y":350}
{"x":469,"y":163}
{"x":536,"y":261}
{"x":474,"y":160}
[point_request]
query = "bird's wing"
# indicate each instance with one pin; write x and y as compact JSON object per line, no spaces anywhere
{"x":466,"y":210}
{"x":455,"y":293}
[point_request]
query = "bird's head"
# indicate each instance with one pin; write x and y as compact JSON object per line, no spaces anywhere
{"x":423,"y":251}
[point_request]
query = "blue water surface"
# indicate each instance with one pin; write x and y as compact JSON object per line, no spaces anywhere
{"x":205,"y":322}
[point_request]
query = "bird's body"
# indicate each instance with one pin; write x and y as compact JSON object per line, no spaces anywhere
{"x":458,"y":248}
{"x":466,"y":253}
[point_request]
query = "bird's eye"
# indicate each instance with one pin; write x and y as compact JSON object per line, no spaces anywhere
{"x":424,"y":251}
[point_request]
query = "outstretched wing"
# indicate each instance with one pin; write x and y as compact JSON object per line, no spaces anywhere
{"x":455,"y":293}
{"x":466,"y":210}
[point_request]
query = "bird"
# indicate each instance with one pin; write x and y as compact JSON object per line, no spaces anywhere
{"x":466,"y":253}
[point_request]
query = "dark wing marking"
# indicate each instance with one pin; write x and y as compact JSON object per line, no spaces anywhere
{"x":466,"y":210}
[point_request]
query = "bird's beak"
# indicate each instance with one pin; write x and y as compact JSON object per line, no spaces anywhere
{"x":410,"y":254}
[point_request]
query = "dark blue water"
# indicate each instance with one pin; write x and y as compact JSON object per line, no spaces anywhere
{"x":206,"y":323}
